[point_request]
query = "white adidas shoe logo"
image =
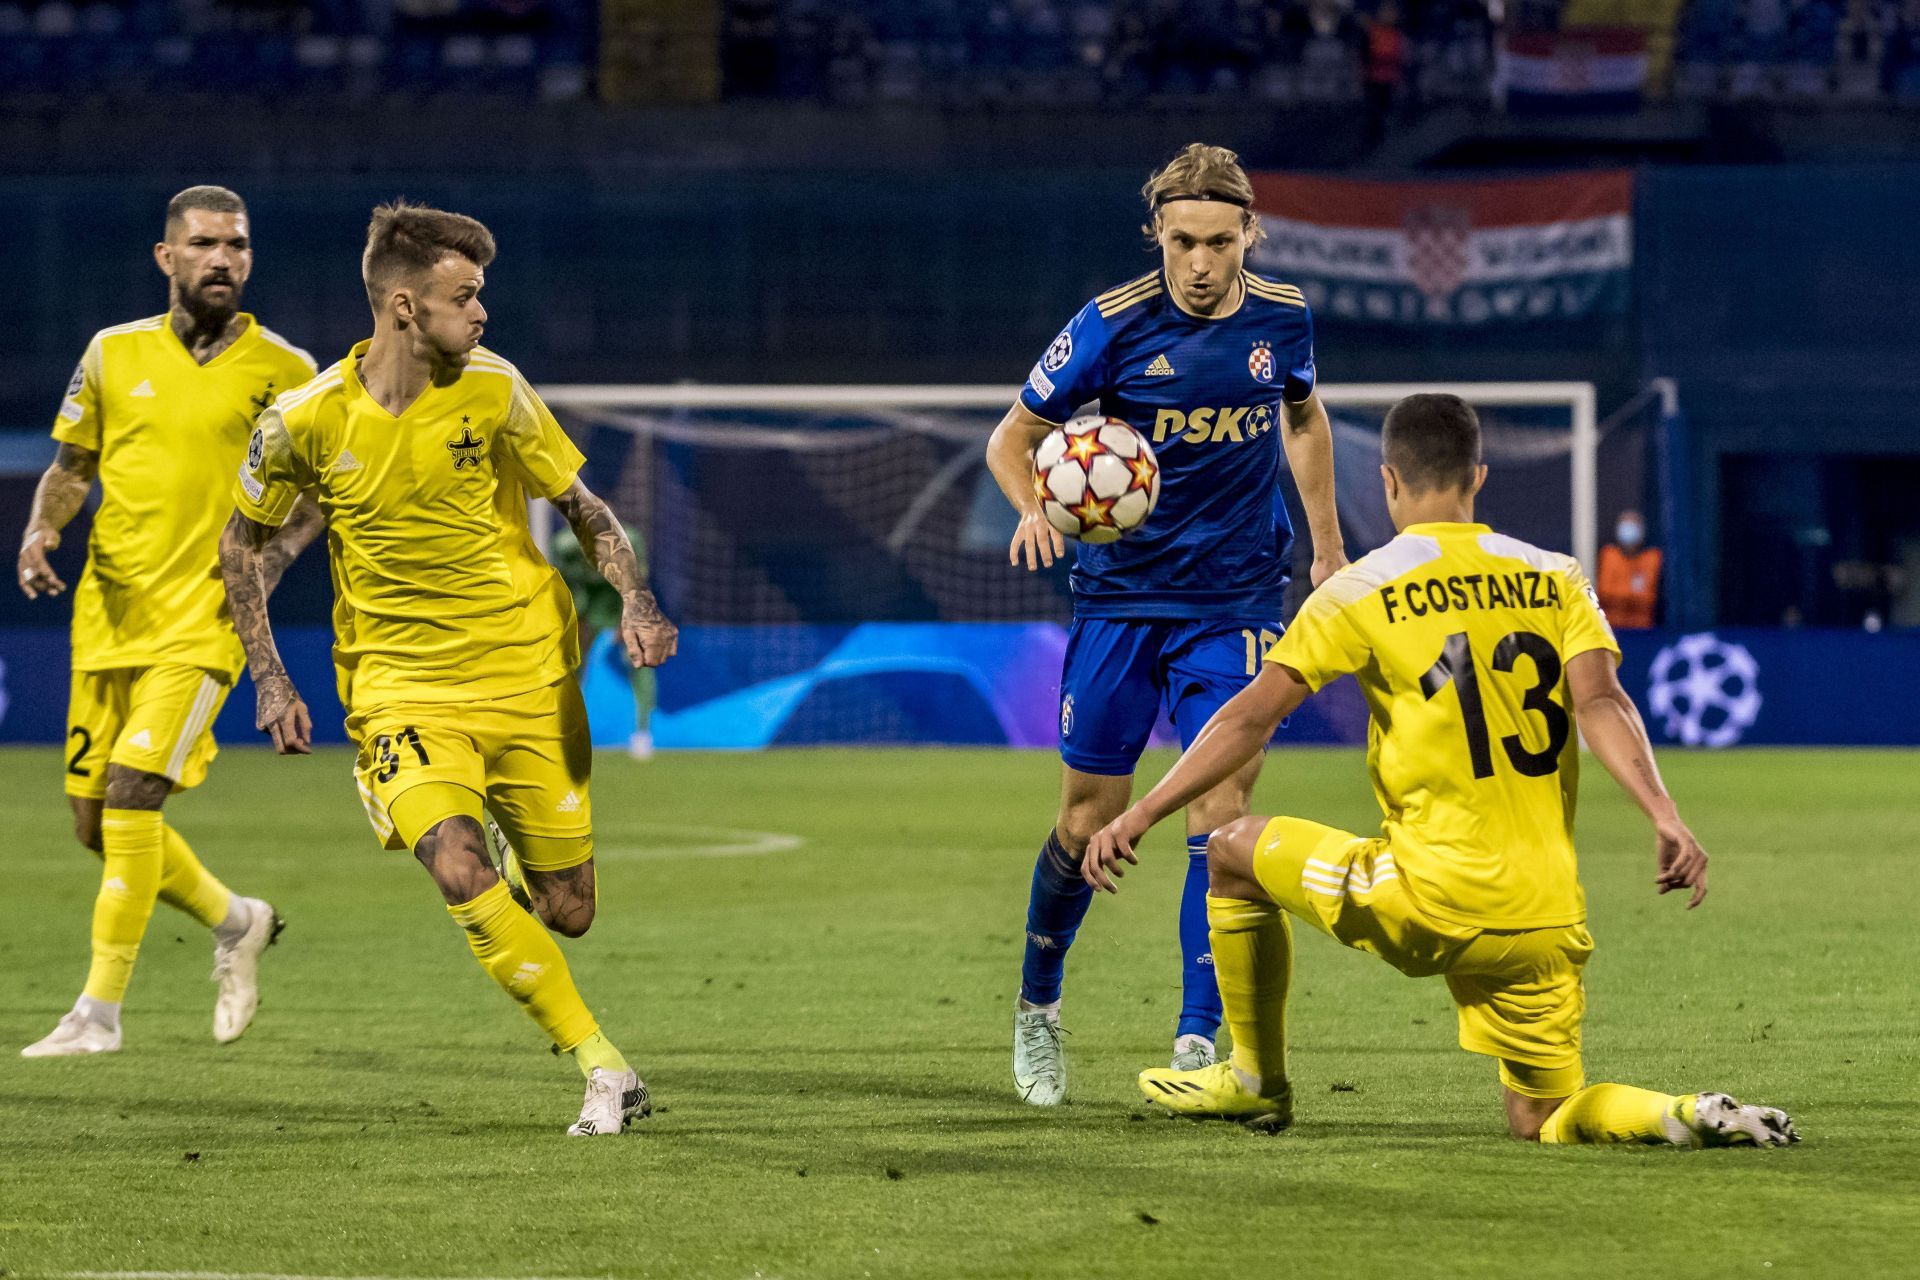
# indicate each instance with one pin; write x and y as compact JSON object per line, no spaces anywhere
{"x":141,"y":739}
{"x":569,"y":805}
{"x":345,"y":462}
{"x":144,"y":389}
{"x":1160,"y":368}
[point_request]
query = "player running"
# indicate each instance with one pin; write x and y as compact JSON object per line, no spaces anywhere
{"x":1479,"y":656}
{"x":455,"y":641}
{"x":159,"y":410}
{"x":1207,"y":359}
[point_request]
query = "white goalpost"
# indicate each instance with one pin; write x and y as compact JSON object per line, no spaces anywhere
{"x":667,"y":409}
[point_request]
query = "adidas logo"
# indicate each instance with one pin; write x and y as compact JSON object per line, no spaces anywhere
{"x":116,"y":884}
{"x":571,"y":804}
{"x":1161,"y":367}
{"x":141,"y":739}
{"x":345,"y":462}
{"x":526,"y":974}
{"x":144,"y":389}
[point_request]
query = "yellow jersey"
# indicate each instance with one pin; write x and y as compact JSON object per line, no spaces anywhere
{"x":168,"y":431}
{"x":1460,"y":639}
{"x":440,"y":594}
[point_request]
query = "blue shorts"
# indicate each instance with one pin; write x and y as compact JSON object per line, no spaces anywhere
{"x":1120,"y":674}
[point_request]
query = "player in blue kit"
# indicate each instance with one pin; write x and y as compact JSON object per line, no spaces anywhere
{"x":1215,"y":366}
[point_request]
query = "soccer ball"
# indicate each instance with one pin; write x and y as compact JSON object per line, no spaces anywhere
{"x":1096,"y":478}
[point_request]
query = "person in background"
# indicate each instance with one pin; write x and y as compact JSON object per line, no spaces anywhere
{"x":598,"y":606}
{"x":1629,"y":583}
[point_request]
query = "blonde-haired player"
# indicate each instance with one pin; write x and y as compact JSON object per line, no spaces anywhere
{"x":455,"y":640}
{"x":159,"y":410}
{"x":1479,"y":655}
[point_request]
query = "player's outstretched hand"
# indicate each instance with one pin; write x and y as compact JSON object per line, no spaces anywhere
{"x":1683,"y":863}
{"x":1110,"y":846}
{"x":650,"y":639}
{"x":1326,"y":564}
{"x":1040,"y":541}
{"x":36,"y":572}
{"x":282,"y":716}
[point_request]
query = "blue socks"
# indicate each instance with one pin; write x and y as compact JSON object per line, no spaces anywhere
{"x":1200,"y":993}
{"x":1056,"y":905}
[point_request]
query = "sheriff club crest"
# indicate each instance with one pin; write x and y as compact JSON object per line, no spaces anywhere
{"x":466,"y":448}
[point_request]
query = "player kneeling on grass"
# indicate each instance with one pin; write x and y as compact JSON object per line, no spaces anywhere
{"x":1478,"y":655}
{"x":455,"y":641}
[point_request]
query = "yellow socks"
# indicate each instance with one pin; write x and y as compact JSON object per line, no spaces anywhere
{"x":186,"y":884}
{"x":520,"y":955}
{"x":1253,"y":963}
{"x":134,"y":852}
{"x":598,"y":1051}
{"x":1616,"y":1114}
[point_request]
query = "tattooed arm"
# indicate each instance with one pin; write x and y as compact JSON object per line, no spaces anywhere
{"x":61,"y":493}
{"x":303,"y":525}
{"x":650,"y":639}
{"x":280,"y":712}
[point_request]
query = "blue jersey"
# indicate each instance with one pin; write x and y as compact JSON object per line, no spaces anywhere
{"x":1207,"y":392}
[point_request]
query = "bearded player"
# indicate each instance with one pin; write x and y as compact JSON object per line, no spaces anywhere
{"x":1480,"y":656}
{"x":1215,"y":365}
{"x":159,"y":412}
{"x":455,"y":641}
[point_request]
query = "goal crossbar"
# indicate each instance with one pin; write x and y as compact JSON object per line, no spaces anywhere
{"x":1577,"y":397}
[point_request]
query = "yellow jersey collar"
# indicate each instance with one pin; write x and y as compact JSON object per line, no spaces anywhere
{"x":1436,"y":528}
{"x":247,"y":337}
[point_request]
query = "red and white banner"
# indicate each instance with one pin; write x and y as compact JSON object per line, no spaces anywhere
{"x":1581,"y":69}
{"x":1450,"y":253}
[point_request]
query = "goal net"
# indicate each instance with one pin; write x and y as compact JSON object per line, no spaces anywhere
{"x":843,"y":504}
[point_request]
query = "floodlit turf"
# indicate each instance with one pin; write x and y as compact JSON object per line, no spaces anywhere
{"x":823,"y":1012}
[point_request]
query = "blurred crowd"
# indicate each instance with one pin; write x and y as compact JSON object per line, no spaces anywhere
{"x":1847,"y":50}
{"x":537,"y":47}
{"x":1081,"y":50}
{"x":1391,"y":54}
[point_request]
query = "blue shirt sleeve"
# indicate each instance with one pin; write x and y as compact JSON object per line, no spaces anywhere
{"x":1301,"y":374}
{"x":1073,"y":370}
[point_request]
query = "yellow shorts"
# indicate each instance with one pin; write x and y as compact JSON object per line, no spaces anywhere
{"x":1517,"y":992}
{"x":527,"y":757}
{"x":155,"y":719}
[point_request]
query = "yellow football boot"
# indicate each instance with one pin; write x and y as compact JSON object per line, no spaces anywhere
{"x":1215,"y":1093}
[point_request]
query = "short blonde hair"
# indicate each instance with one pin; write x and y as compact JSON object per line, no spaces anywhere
{"x":1201,"y":172}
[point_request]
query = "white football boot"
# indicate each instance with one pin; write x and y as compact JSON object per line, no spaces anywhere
{"x":236,"y":967}
{"x":76,"y":1036}
{"x":1193,"y":1052}
{"x":1039,"y":1059}
{"x":615,"y":1099}
{"x":1720,"y":1121}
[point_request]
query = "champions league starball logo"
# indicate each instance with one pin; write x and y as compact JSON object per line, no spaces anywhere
{"x":1066,"y":716}
{"x":1705,"y":690}
{"x":1058,"y":354}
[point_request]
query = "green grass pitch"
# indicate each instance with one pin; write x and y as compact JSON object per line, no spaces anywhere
{"x":811,"y":957}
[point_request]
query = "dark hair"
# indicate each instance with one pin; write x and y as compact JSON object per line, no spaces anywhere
{"x":1433,"y":441}
{"x":405,"y":241}
{"x":211,"y":199}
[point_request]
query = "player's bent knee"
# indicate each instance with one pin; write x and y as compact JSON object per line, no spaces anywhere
{"x":1230,"y":849}
{"x":454,"y":852}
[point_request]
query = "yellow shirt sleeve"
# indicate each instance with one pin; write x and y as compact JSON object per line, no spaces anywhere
{"x":78,"y":421}
{"x":1584,"y":624}
{"x":273,"y":474}
{"x":537,"y":446}
{"x":1323,"y":643}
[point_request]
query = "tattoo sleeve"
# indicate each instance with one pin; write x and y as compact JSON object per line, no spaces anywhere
{"x":243,"y":545}
{"x":601,"y":535}
{"x":303,"y":524}
{"x":62,"y":491}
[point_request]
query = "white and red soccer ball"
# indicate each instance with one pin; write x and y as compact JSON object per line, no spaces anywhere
{"x":1096,"y":479}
